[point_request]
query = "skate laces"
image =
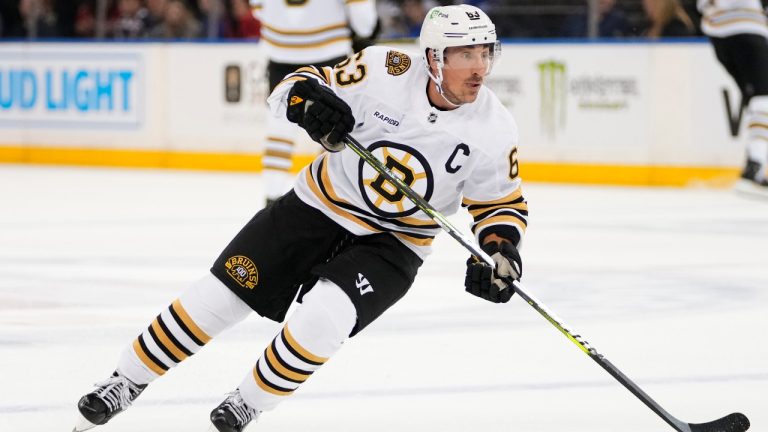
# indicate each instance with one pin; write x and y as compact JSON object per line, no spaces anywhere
{"x":237,"y":406}
{"x":117,"y":391}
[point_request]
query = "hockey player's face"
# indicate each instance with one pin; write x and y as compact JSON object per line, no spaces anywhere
{"x":464,"y":71}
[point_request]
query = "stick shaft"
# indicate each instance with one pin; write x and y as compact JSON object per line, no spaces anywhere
{"x":421,"y":203}
{"x":600,"y":359}
{"x":470,"y":244}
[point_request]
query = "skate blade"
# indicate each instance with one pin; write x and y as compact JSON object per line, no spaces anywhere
{"x":750,"y":188}
{"x":82,"y":424}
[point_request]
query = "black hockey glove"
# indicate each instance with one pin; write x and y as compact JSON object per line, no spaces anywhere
{"x":325,"y":116}
{"x":487,"y":283}
{"x":360,"y":43}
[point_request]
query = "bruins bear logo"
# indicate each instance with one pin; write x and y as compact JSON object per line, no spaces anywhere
{"x":397,"y":63}
{"x":381,"y":196}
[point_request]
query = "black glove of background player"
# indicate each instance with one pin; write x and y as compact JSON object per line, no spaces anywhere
{"x":360,"y":43}
{"x":485,"y":282}
{"x":317,"y":109}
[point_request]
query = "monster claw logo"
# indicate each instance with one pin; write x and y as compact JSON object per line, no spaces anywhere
{"x":553,"y":85}
{"x":243,"y":271}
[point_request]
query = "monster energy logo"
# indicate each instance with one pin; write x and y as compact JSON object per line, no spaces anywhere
{"x":553,"y":87}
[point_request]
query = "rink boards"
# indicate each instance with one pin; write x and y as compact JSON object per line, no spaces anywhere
{"x":613,"y":113}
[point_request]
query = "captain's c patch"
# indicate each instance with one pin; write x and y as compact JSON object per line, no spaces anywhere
{"x":397,"y":63}
{"x":243,"y":271}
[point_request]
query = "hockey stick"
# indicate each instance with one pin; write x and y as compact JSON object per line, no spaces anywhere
{"x":735,"y":422}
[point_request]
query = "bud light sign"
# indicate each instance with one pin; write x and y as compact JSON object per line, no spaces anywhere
{"x":65,"y":89}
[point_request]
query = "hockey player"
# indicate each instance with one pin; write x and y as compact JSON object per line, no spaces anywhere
{"x":347,"y":241}
{"x":738,"y":31}
{"x":296,"y":33}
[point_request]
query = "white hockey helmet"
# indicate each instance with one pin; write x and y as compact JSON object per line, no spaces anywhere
{"x":452,"y":26}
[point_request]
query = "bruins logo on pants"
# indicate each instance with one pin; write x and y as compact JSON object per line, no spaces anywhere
{"x":243,"y":271}
{"x":380,"y":194}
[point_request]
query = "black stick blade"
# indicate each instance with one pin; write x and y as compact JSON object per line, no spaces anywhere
{"x":736,"y":422}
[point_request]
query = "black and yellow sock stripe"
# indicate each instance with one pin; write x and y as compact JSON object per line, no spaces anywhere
{"x":285,"y":367}
{"x":279,"y":367}
{"x":297,"y":350}
{"x":169,"y":343}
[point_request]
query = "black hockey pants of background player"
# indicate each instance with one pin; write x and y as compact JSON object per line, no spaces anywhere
{"x":745,"y":57}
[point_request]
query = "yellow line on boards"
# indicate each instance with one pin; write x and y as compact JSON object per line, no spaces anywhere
{"x":244,"y":162}
{"x":625,"y":175}
{"x":629,"y":175}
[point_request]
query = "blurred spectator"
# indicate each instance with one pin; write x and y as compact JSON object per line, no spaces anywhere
{"x":84,"y":25}
{"x":65,"y":11}
{"x":667,"y":18}
{"x":85,"y":19}
{"x":131,"y":22}
{"x":403,"y":20}
{"x":9,"y":19}
{"x":38,"y":18}
{"x":210,"y":11}
{"x":415,"y":11}
{"x":399,"y":18}
{"x":612,"y":22}
{"x":178,"y":23}
{"x":389,"y":14}
{"x":155,"y":14}
{"x":242,"y":24}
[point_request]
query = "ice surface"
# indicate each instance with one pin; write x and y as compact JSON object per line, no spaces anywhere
{"x":670,"y":284}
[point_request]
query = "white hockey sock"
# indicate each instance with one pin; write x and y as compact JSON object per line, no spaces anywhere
{"x":757,"y":127}
{"x":203,"y":311}
{"x":278,"y":156}
{"x":314,"y":333}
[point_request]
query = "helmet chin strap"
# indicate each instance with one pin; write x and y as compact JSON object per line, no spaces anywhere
{"x":438,"y":80}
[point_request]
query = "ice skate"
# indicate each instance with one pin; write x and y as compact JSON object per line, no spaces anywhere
{"x":752,"y":180}
{"x":233,"y":415}
{"x":111,"y":397}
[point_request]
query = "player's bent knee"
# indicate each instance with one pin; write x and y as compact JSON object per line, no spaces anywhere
{"x":214,"y":305}
{"x":325,"y":318}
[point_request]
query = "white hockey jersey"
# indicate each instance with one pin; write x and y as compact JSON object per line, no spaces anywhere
{"x":464,"y":156}
{"x":312,"y":31}
{"x":723,"y":18}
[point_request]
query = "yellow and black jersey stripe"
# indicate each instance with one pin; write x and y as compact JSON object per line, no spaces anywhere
{"x":507,"y":216}
{"x":312,"y":71}
{"x":307,"y":38}
{"x":304,"y":73}
{"x":415,"y":231}
{"x":734,"y":16}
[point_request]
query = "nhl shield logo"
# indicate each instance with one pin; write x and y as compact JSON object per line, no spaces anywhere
{"x":397,"y":63}
{"x":243,"y":271}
